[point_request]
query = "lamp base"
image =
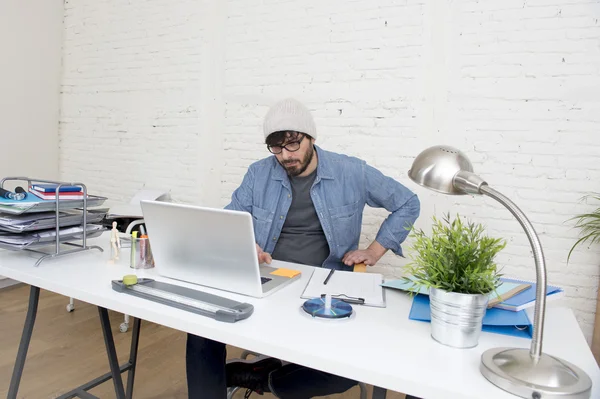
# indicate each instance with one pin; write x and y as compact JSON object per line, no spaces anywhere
{"x":513,"y":370}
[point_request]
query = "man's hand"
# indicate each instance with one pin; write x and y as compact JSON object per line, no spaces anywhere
{"x":263,"y":257}
{"x":369,"y":256}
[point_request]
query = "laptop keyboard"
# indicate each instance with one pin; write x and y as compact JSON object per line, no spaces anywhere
{"x":264,"y":280}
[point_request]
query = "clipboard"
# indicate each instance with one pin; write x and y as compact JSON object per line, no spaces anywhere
{"x":351,"y":287}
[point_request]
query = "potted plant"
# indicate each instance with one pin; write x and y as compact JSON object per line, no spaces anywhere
{"x":589,"y":224}
{"x":456,"y":264}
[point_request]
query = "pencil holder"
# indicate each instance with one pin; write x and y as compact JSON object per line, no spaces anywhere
{"x":141,"y":254}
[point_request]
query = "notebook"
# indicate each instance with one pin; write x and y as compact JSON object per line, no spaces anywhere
{"x":51,"y":188}
{"x":346,"y":285}
{"x":495,"y":321}
{"x":526,"y":299}
{"x":505,"y":291}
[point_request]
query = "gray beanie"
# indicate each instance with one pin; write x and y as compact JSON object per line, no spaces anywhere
{"x":289,"y":114}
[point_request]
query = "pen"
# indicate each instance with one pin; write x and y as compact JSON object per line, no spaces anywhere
{"x":132,"y":252}
{"x":358,"y":301}
{"x":328,"y":276}
{"x":143,"y":243}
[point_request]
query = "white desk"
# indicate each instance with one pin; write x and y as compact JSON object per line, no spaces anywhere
{"x":381,"y":347}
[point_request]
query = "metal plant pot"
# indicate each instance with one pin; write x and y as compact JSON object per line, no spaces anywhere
{"x":456,"y":319}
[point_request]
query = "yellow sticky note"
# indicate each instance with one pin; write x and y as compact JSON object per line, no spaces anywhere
{"x":360,"y":268}
{"x":285,"y":273}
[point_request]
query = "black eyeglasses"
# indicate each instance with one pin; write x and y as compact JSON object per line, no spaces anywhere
{"x":292,"y":146}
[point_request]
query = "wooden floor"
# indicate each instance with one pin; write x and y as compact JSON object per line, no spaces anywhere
{"x":67,"y":350}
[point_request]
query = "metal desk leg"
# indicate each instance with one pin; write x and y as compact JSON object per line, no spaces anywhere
{"x":81,"y":391}
{"x":379,"y":393}
{"x":135,"y":339}
{"x":34,"y":296}
{"x":113,"y":362}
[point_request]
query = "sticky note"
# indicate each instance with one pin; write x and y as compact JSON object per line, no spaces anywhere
{"x":285,"y":273}
{"x":360,"y":268}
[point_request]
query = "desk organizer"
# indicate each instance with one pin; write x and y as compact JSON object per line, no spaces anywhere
{"x":60,"y":221}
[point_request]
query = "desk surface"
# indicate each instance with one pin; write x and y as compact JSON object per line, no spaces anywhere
{"x":394,"y":353}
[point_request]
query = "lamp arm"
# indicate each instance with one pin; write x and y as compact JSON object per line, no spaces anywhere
{"x":540,"y":268}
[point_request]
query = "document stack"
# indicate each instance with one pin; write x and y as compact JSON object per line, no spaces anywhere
{"x":506,"y":312}
{"x":42,"y":223}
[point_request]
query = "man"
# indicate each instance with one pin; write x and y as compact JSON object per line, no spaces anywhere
{"x":307,"y":206}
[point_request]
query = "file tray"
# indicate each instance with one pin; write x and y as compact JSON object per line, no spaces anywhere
{"x":16,"y":241}
{"x":47,"y":220}
{"x":202,"y":303}
{"x":61,"y":237}
{"x":31,"y":204}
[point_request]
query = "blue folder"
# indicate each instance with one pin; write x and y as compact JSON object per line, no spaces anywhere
{"x":28,"y":198}
{"x":496,"y":321}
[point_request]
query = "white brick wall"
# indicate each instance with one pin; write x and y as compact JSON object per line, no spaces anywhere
{"x":131,"y":115}
{"x":521,"y":84}
{"x":173,"y":95}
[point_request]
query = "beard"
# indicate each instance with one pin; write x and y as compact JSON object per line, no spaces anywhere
{"x":295,"y":167}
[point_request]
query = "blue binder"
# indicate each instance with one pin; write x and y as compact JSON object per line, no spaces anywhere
{"x":497,"y":321}
{"x":526,"y":299}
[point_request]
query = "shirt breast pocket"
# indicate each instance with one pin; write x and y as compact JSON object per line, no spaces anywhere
{"x":346,"y":220}
{"x":262,"y":219}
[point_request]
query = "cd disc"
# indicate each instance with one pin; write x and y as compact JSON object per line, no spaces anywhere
{"x":316,"y":308}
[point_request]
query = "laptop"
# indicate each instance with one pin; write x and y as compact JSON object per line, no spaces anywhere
{"x":210,"y":247}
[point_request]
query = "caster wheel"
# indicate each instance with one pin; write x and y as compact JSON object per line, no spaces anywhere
{"x":70,"y":308}
{"x":124,"y":327}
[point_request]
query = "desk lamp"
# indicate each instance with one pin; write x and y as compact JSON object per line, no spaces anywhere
{"x":528,"y":374}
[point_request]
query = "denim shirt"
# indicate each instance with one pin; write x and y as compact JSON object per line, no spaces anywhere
{"x":342,"y":188}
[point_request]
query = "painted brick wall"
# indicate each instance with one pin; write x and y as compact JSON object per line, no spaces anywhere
{"x":520,"y":97}
{"x":156,"y":94}
{"x":130,"y":114}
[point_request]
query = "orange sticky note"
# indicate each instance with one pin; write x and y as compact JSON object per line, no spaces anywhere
{"x":360,"y":268}
{"x":285,"y":273}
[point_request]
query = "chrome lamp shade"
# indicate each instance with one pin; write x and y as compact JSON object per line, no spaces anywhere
{"x":528,"y":374}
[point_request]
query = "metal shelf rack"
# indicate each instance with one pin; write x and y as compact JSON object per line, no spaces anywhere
{"x":58,"y":251}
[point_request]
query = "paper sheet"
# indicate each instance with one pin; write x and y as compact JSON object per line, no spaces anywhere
{"x":45,"y":235}
{"x":133,"y":209}
{"x":46,"y":220}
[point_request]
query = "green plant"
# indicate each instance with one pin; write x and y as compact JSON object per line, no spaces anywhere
{"x":457,"y":257}
{"x":589,"y":223}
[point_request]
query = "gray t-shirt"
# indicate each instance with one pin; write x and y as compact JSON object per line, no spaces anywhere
{"x":302,"y":239}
